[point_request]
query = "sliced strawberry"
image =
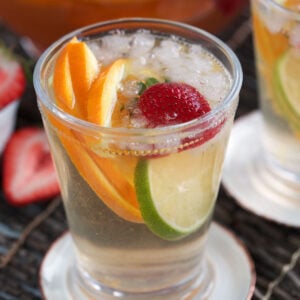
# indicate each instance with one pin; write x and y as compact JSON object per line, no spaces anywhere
{"x":12,"y":78}
{"x":28,"y":171}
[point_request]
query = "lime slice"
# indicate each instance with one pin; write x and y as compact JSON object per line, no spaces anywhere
{"x":176,"y":193}
{"x":287,"y":87}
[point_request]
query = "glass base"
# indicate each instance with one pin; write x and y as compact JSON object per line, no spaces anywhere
{"x":257,"y":183}
{"x":82,"y":287}
{"x":227,"y":261}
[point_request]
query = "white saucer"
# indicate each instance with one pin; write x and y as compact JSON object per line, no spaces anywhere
{"x":234,"y":270}
{"x":247,"y":179}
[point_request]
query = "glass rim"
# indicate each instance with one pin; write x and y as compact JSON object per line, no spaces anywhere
{"x":45,"y":99}
{"x":293,"y":13}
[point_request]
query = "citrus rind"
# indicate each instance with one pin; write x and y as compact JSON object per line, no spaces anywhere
{"x":175,"y":195}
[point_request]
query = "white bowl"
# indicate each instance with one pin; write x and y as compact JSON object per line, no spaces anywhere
{"x":8,"y":116}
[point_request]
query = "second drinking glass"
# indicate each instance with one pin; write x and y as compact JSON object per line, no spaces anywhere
{"x":263,"y":169}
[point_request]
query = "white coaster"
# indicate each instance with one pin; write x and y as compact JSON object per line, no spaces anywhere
{"x":250,"y":183}
{"x":234,"y":270}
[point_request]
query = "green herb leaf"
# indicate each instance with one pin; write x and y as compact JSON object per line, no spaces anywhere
{"x":142,"y":87}
{"x":151,"y":81}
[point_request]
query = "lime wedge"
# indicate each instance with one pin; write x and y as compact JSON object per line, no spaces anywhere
{"x":176,"y":193}
{"x":287,"y":87}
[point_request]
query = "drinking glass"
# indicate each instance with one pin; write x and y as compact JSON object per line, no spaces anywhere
{"x":125,"y":250}
{"x":271,"y":162}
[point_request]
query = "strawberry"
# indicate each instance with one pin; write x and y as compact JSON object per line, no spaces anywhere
{"x":12,"y":78}
{"x":172,"y":103}
{"x":166,"y":104}
{"x":28,"y":171}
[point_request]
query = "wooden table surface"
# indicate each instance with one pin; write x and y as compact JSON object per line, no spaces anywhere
{"x":26,"y":233}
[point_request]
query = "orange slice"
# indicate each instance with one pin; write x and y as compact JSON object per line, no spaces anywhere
{"x":102,"y":185}
{"x":83,"y":69}
{"x":62,"y":82}
{"x":75,"y":69}
{"x":102,"y":174}
{"x":269,"y":45}
{"x":292,"y":4}
{"x":119,"y":171}
{"x":103,"y":93}
{"x":113,"y":173}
